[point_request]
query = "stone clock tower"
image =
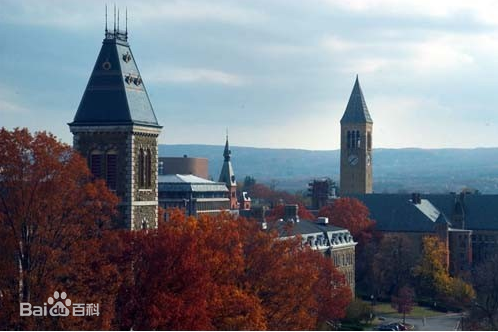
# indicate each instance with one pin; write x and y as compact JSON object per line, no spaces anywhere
{"x":116,"y":130}
{"x":356,"y":145}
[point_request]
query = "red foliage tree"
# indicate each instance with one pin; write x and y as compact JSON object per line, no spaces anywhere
{"x":226,"y":274}
{"x":403,"y":302}
{"x":51,"y":211}
{"x":351,"y":214}
{"x":273,"y":197}
{"x":278,"y":212}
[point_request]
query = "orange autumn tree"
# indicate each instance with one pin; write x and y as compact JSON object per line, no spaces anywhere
{"x":278,"y":212}
{"x":226,"y":274}
{"x":351,"y":214}
{"x":434,"y":279}
{"x":50,"y":210}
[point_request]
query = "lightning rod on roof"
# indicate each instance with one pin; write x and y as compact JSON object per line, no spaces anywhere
{"x":106,"y":19}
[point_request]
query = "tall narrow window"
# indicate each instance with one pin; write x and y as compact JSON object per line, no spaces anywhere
{"x":96,"y":164}
{"x":148,"y":169}
{"x":358,"y":139}
{"x":369,"y":141}
{"x":353,"y":139}
{"x":112,"y":170}
{"x":349,"y":140}
{"x":141,"y":173}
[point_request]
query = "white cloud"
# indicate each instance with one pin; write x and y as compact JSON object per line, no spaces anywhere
{"x":484,"y":11}
{"x":160,"y":74}
{"x":437,"y":52}
{"x":75,"y":15}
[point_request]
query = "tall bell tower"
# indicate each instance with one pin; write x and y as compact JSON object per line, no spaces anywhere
{"x":116,"y":130}
{"x":356,"y":145}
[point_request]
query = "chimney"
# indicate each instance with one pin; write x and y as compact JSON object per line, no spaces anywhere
{"x":291,"y":212}
{"x":416,"y":198}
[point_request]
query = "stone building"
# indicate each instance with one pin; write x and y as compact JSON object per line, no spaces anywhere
{"x":356,"y":145}
{"x":193,"y":194}
{"x":416,"y":216}
{"x":116,"y":130}
{"x":334,"y":242}
{"x":467,"y":223}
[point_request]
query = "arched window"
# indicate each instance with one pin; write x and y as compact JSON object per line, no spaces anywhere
{"x":96,"y":163}
{"x":369,"y":141}
{"x":141,"y":171}
{"x":148,"y":169}
{"x":358,"y":139}
{"x":111,"y":169}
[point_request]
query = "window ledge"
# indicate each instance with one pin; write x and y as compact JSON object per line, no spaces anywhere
{"x":145,"y":190}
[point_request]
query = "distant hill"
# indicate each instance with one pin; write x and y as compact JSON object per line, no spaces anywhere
{"x":395,"y":170}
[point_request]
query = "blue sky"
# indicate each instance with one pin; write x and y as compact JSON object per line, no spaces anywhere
{"x":276,"y":73}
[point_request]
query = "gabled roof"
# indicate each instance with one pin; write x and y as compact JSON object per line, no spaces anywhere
{"x":115,"y":93}
{"x":356,"y":111}
{"x":480,"y":211}
{"x":397,"y":213}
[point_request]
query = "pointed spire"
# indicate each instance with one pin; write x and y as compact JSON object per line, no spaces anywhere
{"x":227,"y":175}
{"x":126,"y":21}
{"x":114,"y":18}
{"x":356,"y":110}
{"x":106,"y":19}
{"x":227,"y":152}
{"x":118,"y":19}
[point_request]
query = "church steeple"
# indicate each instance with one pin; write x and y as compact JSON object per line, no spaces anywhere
{"x":356,"y":145}
{"x":227,"y":152}
{"x":227,"y":176}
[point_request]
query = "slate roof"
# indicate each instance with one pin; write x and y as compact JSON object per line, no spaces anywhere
{"x":188,"y":183}
{"x":356,"y":110}
{"x":115,"y":93}
{"x":481,"y":211}
{"x":304,"y":227}
{"x":396,"y":213}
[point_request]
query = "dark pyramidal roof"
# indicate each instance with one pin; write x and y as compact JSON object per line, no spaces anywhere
{"x":115,"y":94}
{"x":357,"y":110}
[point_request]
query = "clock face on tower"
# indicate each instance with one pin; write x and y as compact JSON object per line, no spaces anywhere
{"x":353,"y":159}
